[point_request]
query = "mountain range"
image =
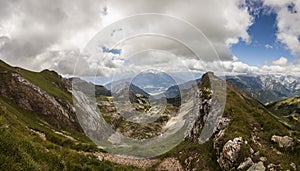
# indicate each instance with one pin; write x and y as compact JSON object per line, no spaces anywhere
{"x":39,"y":129}
{"x":265,"y":88}
{"x":268,"y":88}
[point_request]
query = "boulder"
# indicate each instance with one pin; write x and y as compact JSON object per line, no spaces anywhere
{"x":232,"y":148}
{"x":257,"y":167}
{"x":230,"y":153}
{"x":283,"y":142}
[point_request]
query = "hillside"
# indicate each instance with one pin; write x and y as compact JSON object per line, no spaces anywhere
{"x":40,"y":131}
{"x":38,"y":128}
{"x":242,"y":138}
{"x":288,"y":110}
{"x":286,"y":107}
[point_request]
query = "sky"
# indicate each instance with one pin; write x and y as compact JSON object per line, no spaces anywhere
{"x":249,"y":36}
{"x":264,"y":47}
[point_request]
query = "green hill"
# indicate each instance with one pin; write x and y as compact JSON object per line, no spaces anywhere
{"x":288,"y":110}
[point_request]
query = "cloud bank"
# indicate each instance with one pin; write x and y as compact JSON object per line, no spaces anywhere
{"x":288,"y":23}
{"x":51,"y":34}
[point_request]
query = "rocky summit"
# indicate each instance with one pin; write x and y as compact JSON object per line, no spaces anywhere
{"x":39,"y":128}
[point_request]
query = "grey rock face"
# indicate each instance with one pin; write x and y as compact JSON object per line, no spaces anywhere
{"x":31,"y":97}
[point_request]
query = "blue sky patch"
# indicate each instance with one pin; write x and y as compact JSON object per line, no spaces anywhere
{"x":264,"y":47}
{"x":113,"y":51}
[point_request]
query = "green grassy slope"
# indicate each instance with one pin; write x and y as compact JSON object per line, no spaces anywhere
{"x":245,"y":114}
{"x":21,"y":148}
{"x":288,"y":110}
{"x":285,"y":107}
{"x":28,"y":141}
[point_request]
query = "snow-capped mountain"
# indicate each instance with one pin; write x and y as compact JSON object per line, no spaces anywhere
{"x":268,"y":88}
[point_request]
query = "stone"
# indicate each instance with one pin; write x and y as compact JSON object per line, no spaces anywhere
{"x":220,"y":135}
{"x":273,"y":167}
{"x":263,"y":159}
{"x":255,"y":139}
{"x":230,"y":153}
{"x":100,"y":158}
{"x":257,"y":167}
{"x":283,"y":142}
{"x":231,"y":149}
{"x":293,"y":165}
{"x":223,"y":123}
{"x":256,"y":153}
{"x":247,"y":163}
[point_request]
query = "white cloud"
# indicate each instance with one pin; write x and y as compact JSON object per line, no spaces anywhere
{"x":238,"y":67}
{"x":288,"y":23}
{"x":281,"y":61}
{"x":222,"y":22}
{"x":37,"y":27}
{"x":235,"y":58}
{"x":268,"y":46}
{"x":42,"y":34}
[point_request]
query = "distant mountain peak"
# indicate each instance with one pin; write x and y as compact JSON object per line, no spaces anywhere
{"x":269,"y":87}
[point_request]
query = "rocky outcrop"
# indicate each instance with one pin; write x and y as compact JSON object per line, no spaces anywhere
{"x":194,"y":132}
{"x":209,"y":118}
{"x":283,"y":142}
{"x":31,"y":97}
{"x":230,"y":153}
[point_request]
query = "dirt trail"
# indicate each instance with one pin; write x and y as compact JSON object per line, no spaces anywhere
{"x":127,"y":161}
{"x":138,"y":162}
